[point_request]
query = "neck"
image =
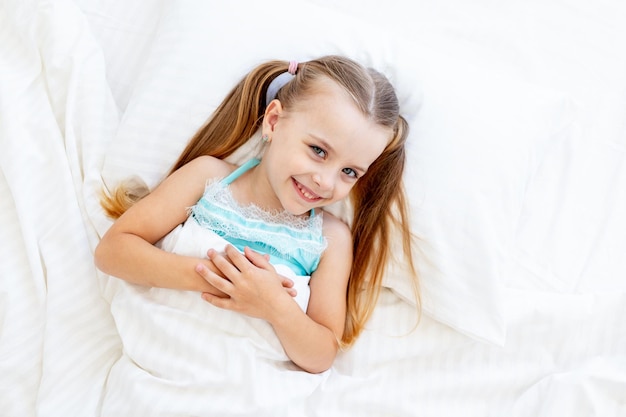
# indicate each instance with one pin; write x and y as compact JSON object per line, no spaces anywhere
{"x":252,"y":187}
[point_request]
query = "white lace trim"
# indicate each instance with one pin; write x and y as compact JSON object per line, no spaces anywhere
{"x":259,"y":225}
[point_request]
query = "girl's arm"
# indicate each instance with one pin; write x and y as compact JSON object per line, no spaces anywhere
{"x":127,"y":249}
{"x":310,"y":340}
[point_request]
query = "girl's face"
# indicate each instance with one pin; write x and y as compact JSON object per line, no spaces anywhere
{"x":319,"y":149}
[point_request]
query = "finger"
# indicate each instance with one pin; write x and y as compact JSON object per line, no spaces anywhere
{"x":221,"y":284}
{"x":217,"y":293}
{"x":259,"y":260}
{"x":220,"y":302}
{"x":239,"y":260}
{"x":225,"y":265}
{"x":292,"y":292}
{"x":211,"y":266}
{"x":286,"y":282}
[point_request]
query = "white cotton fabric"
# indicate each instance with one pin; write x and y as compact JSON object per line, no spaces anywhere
{"x":183,"y":356}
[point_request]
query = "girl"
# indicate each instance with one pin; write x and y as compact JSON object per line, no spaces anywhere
{"x":331,"y":129}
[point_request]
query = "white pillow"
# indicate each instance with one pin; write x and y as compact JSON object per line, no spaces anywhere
{"x":473,"y":143}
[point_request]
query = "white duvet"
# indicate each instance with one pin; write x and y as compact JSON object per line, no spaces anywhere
{"x":183,"y":356}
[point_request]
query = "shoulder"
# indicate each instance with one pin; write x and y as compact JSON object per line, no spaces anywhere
{"x":207,"y":167}
{"x":190,"y":180}
{"x":336,"y":232}
{"x":198,"y":171}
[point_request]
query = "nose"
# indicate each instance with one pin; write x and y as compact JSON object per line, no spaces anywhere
{"x":324,"y":180}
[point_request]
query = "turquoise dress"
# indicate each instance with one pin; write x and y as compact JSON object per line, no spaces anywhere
{"x":290,"y":240}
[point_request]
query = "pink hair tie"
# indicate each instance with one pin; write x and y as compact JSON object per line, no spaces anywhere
{"x":293,"y":67}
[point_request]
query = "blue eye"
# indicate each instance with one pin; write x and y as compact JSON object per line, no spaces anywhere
{"x":319,"y":151}
{"x":350,"y":172}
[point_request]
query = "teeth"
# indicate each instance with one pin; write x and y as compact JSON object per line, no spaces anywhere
{"x":306,"y":194}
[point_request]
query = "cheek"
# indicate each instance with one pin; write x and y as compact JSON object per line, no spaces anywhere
{"x":342,"y":190}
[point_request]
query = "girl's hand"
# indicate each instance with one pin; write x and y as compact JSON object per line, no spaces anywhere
{"x":251,"y":283}
{"x":208,"y":288}
{"x":261,"y":261}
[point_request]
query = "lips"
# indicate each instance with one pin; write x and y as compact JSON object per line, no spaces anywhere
{"x":305,"y":193}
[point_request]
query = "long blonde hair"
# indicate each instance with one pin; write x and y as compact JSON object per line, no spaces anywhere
{"x":378,"y":198}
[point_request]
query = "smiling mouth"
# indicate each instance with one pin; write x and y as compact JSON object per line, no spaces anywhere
{"x":306,"y":193}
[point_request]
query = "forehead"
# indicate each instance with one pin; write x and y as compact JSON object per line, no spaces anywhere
{"x":329,"y":113}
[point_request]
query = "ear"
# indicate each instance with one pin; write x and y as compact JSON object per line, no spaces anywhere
{"x":271,"y":116}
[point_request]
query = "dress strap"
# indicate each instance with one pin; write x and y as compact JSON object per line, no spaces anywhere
{"x":251,"y":163}
{"x":243,"y":168}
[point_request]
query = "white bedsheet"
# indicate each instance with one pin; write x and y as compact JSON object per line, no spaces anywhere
{"x":69,"y":73}
{"x":209,"y":361}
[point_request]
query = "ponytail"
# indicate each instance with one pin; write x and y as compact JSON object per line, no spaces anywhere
{"x":381,"y":214}
{"x":235,"y":120}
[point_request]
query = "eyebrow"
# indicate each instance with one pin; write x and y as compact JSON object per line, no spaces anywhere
{"x":329,"y":148}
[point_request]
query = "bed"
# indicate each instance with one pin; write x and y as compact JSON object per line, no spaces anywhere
{"x":516,"y":176}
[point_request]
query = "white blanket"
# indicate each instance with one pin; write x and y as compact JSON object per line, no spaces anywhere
{"x":517,"y":184}
{"x":183,"y":356}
